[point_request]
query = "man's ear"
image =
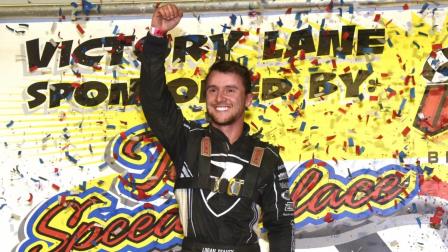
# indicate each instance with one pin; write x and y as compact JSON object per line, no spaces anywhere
{"x":249,"y":98}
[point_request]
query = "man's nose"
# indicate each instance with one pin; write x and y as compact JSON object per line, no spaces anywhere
{"x":220,"y":96}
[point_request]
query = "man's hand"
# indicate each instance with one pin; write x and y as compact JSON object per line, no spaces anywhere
{"x":166,"y":17}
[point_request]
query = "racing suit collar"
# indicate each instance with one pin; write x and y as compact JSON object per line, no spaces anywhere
{"x":215,"y":132}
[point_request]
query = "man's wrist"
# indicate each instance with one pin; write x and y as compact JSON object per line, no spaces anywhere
{"x":157,"y":32}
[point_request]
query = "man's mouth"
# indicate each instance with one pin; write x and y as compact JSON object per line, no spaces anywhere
{"x":222,"y":108}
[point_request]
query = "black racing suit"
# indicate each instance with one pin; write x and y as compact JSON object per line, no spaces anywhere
{"x":215,"y":218}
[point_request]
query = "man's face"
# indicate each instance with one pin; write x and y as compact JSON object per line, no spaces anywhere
{"x":226,"y":98}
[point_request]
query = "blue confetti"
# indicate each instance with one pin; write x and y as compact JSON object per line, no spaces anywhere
{"x":257,"y":103}
{"x":2,"y":206}
{"x":74,"y":4}
{"x":110,"y":126}
{"x":9,"y":125}
{"x":233,"y":19}
{"x":244,"y":59}
{"x":115,"y":30}
{"x":262,"y":118}
{"x":361,"y":97}
{"x":369,"y":67}
{"x":102,"y":166}
{"x":340,"y":55}
{"x":389,"y":42}
{"x":314,"y":127}
{"x":42,"y":178}
{"x":83,"y":186}
{"x":350,"y":9}
{"x":302,"y":126}
{"x":403,"y":103}
{"x":71,"y":158}
{"x":41,"y":160}
{"x":90,"y":149}
{"x":428,"y":170}
{"x":303,"y":105}
{"x":414,"y":208}
{"x":327,"y":88}
{"x":35,"y":180}
{"x":279,"y":22}
{"x":114,"y":73}
{"x":87,"y":6}
{"x":424,"y":7}
{"x":136,"y":64}
{"x":350,"y":142}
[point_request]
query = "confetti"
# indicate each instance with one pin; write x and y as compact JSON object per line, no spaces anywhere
{"x":406,"y":131}
{"x":80,"y":29}
{"x":377,"y":17}
{"x":262,"y":118}
{"x":424,"y":7}
{"x":9,"y":125}
{"x":70,"y":158}
{"x":55,"y":187}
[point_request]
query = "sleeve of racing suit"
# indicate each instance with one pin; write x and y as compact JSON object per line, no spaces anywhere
{"x":163,"y":115}
{"x":278,"y":211}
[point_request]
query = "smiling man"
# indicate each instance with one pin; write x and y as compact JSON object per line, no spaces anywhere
{"x":226,"y":178}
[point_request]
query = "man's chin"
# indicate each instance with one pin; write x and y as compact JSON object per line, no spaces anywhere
{"x":222,"y":121}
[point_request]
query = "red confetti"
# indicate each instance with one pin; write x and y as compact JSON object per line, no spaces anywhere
{"x":123,"y":135}
{"x":197,"y":71}
{"x":379,"y":137}
{"x":253,"y":124}
{"x":342,"y":110}
{"x":315,"y":62}
{"x":30,"y":198}
{"x":377,"y":17}
{"x":333,"y":63}
{"x":406,"y":7}
{"x":405,"y":131}
{"x":288,"y":11}
{"x":347,"y":69}
{"x":56,"y":187}
{"x":273,"y":107}
{"x":345,"y":35}
{"x":373,"y":98}
{"x":78,"y":26}
{"x":329,"y":138}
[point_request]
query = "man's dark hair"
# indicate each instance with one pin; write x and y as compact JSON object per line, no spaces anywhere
{"x":227,"y":66}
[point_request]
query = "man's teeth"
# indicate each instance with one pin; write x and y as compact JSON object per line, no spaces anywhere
{"x":222,"y":108}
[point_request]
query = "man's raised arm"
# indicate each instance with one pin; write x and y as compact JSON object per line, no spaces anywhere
{"x":162,"y":114}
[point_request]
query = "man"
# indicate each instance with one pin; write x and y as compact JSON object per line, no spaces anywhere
{"x":223,"y":173}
